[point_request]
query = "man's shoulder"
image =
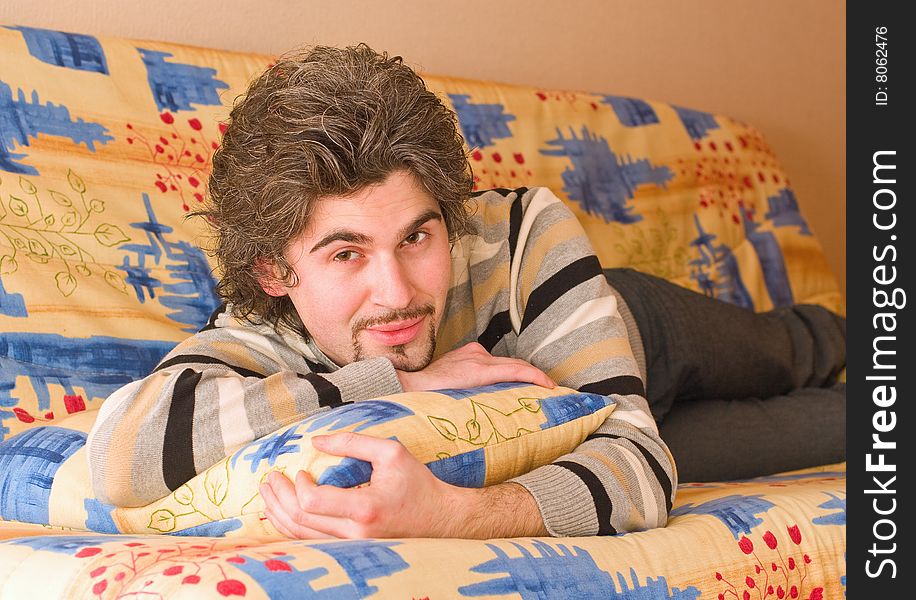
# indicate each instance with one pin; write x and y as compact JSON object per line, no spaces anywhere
{"x":224,"y":327}
{"x":503,"y":197}
{"x":229,"y":336}
{"x":503,"y":205}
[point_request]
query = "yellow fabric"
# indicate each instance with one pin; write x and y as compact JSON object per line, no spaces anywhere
{"x":700,"y":554}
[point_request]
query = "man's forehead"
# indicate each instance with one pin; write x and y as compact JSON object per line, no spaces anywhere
{"x":387,"y":205}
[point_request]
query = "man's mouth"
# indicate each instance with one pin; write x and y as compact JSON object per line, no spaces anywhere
{"x":396,"y":333}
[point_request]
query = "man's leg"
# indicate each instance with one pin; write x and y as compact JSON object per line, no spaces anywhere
{"x":718,"y":440}
{"x":699,"y":348}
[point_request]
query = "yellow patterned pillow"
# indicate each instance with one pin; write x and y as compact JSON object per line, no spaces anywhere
{"x":472,"y":438}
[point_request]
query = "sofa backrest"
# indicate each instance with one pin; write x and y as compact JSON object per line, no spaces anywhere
{"x":105,"y":145}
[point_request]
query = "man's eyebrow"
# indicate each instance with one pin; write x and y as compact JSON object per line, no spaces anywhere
{"x":429,"y":215}
{"x":352,"y":237}
{"x":341,"y":235}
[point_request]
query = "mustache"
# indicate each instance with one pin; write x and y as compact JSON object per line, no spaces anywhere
{"x":403,"y":314}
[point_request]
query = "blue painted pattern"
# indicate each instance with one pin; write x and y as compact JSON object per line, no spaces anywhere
{"x":784,"y":211}
{"x":294,"y":583}
{"x":65,"y":544}
{"x":468,"y":469}
{"x":481,"y":124}
{"x":62,"y":49}
{"x":98,"y":516}
{"x":269,"y":448}
{"x":176,"y":86}
{"x":738,"y":513}
{"x":193,"y":297}
{"x":632,"y":112}
{"x":836,"y":518}
{"x":729,"y":287}
{"x":843,"y":578}
{"x":562,"y":409}
{"x":560,"y":572}
{"x":365,"y":560}
{"x":368,"y":414}
{"x":11,"y":304}
{"x":598,"y":180}
{"x":28,"y":463}
{"x":362,"y":561}
{"x":772,"y":262}
{"x":213,"y":529}
{"x":98,"y":364}
{"x":22,"y":119}
{"x":696,"y":123}
{"x":349,"y":472}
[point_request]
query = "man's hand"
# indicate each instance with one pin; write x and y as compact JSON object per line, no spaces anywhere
{"x":471,"y":366}
{"x":403,"y":499}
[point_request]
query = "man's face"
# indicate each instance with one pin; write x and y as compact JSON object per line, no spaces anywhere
{"x":373,"y":273}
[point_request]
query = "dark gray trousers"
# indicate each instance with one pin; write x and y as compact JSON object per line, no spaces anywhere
{"x":736,"y":393}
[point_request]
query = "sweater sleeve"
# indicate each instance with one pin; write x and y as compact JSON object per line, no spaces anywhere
{"x":216,"y":391}
{"x":622,"y":477}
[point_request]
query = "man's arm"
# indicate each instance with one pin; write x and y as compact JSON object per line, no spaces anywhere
{"x":216,"y":391}
{"x":622,"y":478}
{"x":403,"y":499}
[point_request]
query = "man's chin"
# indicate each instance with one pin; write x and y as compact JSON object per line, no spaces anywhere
{"x":414,"y":356}
{"x":405,"y":363}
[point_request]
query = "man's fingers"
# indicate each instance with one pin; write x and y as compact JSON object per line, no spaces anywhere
{"x":281,"y":493}
{"x":356,"y":445}
{"x":331,"y":526}
{"x":288,"y":527}
{"x":330,"y":500}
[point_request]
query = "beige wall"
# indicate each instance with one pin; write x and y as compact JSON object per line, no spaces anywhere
{"x":777,"y":64}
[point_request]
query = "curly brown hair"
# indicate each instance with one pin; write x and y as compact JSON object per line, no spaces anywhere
{"x":322,"y":122}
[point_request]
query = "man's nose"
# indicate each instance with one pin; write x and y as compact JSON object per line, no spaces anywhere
{"x":393,"y":286}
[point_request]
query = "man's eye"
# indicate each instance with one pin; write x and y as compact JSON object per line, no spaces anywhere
{"x":345,"y":256}
{"x":416,"y":237}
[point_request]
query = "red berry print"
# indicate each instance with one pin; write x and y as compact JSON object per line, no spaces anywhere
{"x":277,"y":565}
{"x":231,"y":587}
{"x":746,"y":545}
{"x":87,"y":552}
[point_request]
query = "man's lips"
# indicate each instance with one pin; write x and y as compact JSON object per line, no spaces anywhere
{"x":396,"y":333}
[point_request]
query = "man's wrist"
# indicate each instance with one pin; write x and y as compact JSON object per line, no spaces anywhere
{"x":500,"y":511}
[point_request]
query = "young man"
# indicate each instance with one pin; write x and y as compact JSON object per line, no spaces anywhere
{"x":353,"y":268}
{"x":356,"y":263}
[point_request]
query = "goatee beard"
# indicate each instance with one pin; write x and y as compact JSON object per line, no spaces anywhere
{"x":400,"y":359}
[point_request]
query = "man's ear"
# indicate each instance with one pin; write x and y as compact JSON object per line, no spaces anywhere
{"x":266,"y":272}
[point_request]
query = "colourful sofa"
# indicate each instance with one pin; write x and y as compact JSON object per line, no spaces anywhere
{"x":105,"y":146}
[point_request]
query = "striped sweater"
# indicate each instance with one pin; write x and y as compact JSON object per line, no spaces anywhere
{"x":526,"y":285}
